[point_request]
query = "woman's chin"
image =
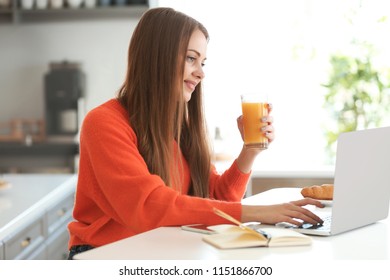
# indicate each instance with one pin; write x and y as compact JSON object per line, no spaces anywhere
{"x":187,"y":96}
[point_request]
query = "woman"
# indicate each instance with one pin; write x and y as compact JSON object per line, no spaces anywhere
{"x":144,"y":156}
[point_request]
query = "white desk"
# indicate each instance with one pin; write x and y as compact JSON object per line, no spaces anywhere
{"x":172,"y":243}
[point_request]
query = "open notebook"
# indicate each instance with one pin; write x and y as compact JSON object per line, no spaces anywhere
{"x":243,"y":236}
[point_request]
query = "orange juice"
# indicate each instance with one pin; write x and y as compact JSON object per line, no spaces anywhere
{"x":252,"y":113}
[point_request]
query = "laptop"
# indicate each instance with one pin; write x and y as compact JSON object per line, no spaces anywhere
{"x":361,"y":183}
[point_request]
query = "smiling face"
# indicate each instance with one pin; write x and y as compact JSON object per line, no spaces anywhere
{"x":194,"y":62}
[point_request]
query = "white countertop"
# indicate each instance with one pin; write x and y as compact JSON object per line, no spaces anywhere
{"x":172,"y":243}
{"x":29,"y":196}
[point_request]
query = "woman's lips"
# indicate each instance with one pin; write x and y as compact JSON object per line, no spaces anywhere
{"x":190,"y":84}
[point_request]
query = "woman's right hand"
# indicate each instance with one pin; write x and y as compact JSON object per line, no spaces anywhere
{"x":285,"y":212}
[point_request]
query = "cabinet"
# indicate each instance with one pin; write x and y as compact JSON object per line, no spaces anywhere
{"x":57,"y":218}
{"x":57,"y":245}
{"x":43,"y":238}
{"x":1,"y":251}
{"x":27,"y":242}
{"x":15,"y":14}
{"x":59,"y":214}
{"x":40,"y":231}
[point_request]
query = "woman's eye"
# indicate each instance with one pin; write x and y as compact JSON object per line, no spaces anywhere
{"x":190,"y":59}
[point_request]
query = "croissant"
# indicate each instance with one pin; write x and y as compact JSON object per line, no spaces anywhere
{"x":323,"y":192}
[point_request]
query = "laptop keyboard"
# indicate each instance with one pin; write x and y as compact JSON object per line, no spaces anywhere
{"x":324,"y":226}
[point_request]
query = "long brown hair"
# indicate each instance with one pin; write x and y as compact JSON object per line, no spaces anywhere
{"x":153,"y":96}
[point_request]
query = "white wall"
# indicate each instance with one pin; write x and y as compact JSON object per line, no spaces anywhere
{"x":27,"y":49}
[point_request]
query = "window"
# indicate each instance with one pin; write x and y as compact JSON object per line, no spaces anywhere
{"x":283,"y":48}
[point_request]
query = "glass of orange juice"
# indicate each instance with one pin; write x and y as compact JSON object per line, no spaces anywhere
{"x":254,"y":108}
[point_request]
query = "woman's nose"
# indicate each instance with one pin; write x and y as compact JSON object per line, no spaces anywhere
{"x":199,"y":73}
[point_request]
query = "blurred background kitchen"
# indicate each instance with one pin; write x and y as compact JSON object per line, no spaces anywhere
{"x":58,"y":60}
{"x":324,"y":64}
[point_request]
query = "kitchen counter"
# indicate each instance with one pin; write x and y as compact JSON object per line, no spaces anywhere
{"x":38,"y":157}
{"x":38,"y":149}
{"x":261,"y":170}
{"x":264,"y":178}
{"x":31,"y":198}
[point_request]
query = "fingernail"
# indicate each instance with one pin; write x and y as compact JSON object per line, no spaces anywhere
{"x":264,"y":119}
{"x":263,"y":128}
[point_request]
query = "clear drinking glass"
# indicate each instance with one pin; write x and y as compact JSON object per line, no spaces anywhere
{"x":254,"y":108}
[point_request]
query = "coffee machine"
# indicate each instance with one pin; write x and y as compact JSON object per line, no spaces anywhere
{"x":64,"y":87}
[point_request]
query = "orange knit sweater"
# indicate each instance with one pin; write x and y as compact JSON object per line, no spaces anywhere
{"x":118,"y":197}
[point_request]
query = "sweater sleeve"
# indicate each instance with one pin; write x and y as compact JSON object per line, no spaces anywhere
{"x":230,"y":186}
{"x":114,"y":182}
